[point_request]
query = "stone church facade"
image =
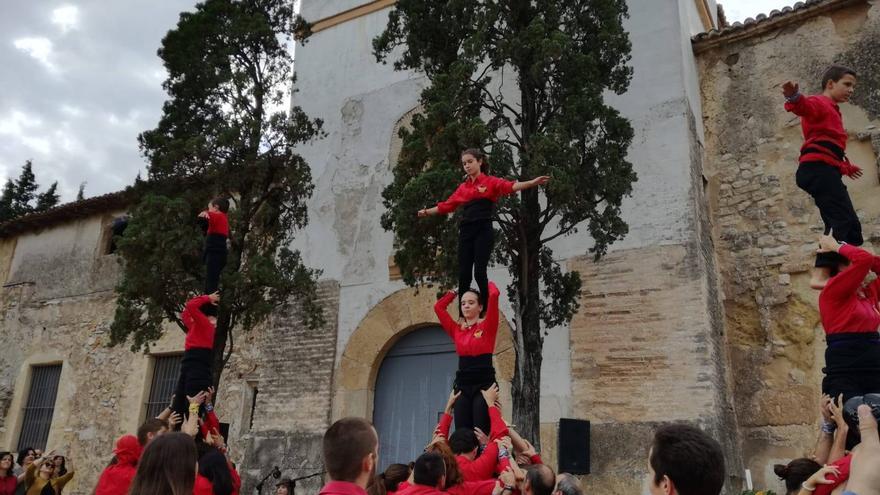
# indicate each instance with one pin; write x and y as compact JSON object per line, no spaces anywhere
{"x":701,"y":314}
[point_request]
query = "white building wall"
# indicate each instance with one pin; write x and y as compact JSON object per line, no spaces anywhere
{"x":360,"y":100}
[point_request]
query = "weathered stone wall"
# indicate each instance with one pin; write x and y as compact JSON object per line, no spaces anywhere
{"x":56,"y":307}
{"x":765,"y":228}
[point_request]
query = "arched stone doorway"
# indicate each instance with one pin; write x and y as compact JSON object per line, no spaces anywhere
{"x":397,"y":315}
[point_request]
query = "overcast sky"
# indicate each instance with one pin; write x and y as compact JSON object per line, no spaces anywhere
{"x":80,"y":80}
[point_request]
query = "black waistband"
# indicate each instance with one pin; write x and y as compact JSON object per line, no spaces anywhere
{"x":834,"y":338}
{"x":481,"y":361}
{"x":215,"y":241}
{"x":829,"y":146}
{"x":478,"y":209}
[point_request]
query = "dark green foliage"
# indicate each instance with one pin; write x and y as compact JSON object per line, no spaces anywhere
{"x":525,"y":81}
{"x":20,"y":197}
{"x":221,"y":133}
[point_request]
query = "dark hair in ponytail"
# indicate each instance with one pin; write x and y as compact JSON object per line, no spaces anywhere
{"x":796,"y":472}
{"x":479,"y":155}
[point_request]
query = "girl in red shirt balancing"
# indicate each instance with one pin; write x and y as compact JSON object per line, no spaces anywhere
{"x":198,"y":356}
{"x":848,"y":307}
{"x":477,"y":197}
{"x":823,"y":161}
{"x":474,"y":339}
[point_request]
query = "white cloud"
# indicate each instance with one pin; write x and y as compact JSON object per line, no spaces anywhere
{"x":740,"y":10}
{"x":66,"y":17}
{"x":39,"y":48}
{"x":15,"y":123}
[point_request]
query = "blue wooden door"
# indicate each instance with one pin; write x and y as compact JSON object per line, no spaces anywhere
{"x":411,"y":391}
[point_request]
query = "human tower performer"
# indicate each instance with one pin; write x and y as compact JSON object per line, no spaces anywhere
{"x":848,"y":303}
{"x":823,"y":162}
{"x":200,"y":318}
{"x":475,"y":331}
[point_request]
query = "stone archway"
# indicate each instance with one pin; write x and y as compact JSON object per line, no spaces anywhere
{"x":395,"y":316}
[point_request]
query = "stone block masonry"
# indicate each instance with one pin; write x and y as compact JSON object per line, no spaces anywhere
{"x":765,"y":228}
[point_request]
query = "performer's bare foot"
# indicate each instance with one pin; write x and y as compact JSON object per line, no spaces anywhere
{"x":819,"y":277}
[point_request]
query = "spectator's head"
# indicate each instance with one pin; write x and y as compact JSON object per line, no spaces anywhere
{"x":796,"y":472}
{"x":453,"y":474}
{"x":351,"y":449}
{"x":376,"y":486}
{"x":60,"y":465}
{"x":283,"y":487}
{"x":128,"y":450}
{"x":47,"y":470}
{"x":540,"y":480}
{"x":220,"y":204}
{"x":463,"y":441}
{"x":685,"y":461}
{"x":151,"y":429}
{"x":473,"y":160}
{"x":851,"y":410}
{"x":26,"y":456}
{"x":168,"y":466}
{"x":567,"y":484}
{"x":213,"y":465}
{"x":394,"y":475}
{"x":839,"y":82}
{"x":6,"y":463}
{"x":430,"y":470}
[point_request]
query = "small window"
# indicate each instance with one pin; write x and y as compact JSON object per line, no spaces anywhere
{"x":40,"y":407}
{"x":114,"y":230}
{"x":166,"y":370}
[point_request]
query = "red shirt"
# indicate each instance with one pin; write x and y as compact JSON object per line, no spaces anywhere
{"x":478,"y":339}
{"x":844,"y":305}
{"x":821,"y":121}
{"x":116,"y":478}
{"x":418,"y":490}
{"x":484,"y":487}
{"x":343,"y":488}
{"x":200,"y":331}
{"x":482,"y":187}
{"x":218,"y":223}
{"x":203,"y":486}
{"x":843,"y":467}
{"x":8,"y":484}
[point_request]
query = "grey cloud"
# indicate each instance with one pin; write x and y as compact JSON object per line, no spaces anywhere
{"x":101,"y":89}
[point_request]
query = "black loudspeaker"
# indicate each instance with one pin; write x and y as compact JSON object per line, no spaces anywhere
{"x":574,"y":446}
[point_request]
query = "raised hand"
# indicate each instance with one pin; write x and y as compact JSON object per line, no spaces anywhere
{"x":173,"y":420}
{"x":450,"y":403}
{"x":824,"y":408}
{"x":482,"y":438}
{"x":790,"y":88}
{"x":215,"y":298}
{"x":198,"y":399}
{"x":828,"y":244}
{"x":491,"y":394}
{"x":818,"y":478}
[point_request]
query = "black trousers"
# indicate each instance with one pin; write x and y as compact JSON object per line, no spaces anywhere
{"x":474,"y":375}
{"x":215,"y":260}
{"x":475,"y":241}
{"x":195,"y":376}
{"x":852,"y":368}
{"x":825,"y":184}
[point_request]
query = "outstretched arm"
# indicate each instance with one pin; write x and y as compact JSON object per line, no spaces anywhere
{"x":537,"y":181}
{"x":491,"y":321}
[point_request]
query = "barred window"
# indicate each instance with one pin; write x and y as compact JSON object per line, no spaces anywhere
{"x":40,"y":407}
{"x":165,"y":373}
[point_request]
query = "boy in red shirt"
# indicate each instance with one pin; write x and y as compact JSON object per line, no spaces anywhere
{"x":216,"y":221}
{"x":823,"y":161}
{"x":198,"y":355}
